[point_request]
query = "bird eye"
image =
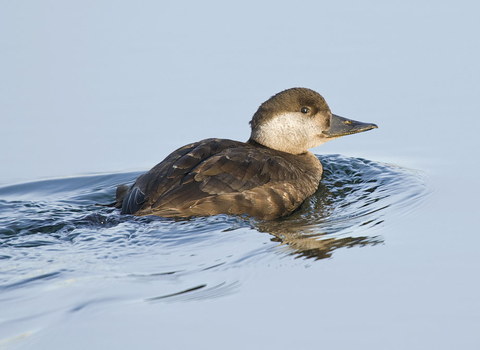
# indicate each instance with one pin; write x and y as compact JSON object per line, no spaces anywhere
{"x":305,"y":110}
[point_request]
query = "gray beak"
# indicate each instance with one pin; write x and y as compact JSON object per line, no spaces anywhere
{"x":340,"y":126}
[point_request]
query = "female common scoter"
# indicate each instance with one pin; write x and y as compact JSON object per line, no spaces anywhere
{"x":269,"y":176}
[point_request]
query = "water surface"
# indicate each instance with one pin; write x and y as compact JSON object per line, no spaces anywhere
{"x":54,"y":237}
{"x":382,"y":257}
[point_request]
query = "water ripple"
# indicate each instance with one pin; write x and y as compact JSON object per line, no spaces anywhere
{"x":55,"y":227}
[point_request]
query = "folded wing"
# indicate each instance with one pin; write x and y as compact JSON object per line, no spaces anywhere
{"x":221,"y":176}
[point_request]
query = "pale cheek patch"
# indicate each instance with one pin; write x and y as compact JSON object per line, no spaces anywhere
{"x":289,"y":133}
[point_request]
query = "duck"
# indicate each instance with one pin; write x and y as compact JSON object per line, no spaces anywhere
{"x":267,"y":177}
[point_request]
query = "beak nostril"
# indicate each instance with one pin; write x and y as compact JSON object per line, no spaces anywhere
{"x":348,"y":122}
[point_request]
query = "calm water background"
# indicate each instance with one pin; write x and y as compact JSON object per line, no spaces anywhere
{"x":111,"y":87}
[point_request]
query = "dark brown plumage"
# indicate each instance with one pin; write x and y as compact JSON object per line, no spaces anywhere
{"x":216,"y":176}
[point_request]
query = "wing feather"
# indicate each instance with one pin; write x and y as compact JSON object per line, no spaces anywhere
{"x":222,"y":176}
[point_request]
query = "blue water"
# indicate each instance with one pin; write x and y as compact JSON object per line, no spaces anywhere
{"x":53,"y":234}
{"x":384,"y":256}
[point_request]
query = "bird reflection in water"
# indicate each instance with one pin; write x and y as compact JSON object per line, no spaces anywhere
{"x":352,"y":199}
{"x":314,"y":231}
